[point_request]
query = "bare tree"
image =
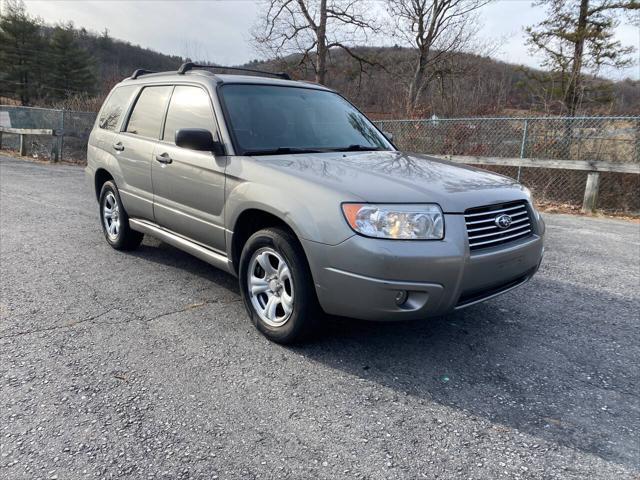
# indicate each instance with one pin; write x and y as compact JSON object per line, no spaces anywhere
{"x":312,"y":28}
{"x":437,"y":30}
{"x":577,"y":35}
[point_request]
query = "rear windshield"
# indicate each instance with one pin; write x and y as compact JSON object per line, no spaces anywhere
{"x":267,"y":119}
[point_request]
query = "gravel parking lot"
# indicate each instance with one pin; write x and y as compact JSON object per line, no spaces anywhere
{"x":144,"y":365}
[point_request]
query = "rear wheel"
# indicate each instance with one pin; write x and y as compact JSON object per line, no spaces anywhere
{"x":115,"y":221}
{"x":276,"y":286}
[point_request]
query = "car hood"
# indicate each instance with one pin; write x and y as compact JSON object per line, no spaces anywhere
{"x":398,"y":177}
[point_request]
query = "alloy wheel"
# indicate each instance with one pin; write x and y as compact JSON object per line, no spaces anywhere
{"x":111,"y":216}
{"x":270,"y":287}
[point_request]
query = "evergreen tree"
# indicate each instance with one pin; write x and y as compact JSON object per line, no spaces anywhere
{"x":20,"y":52}
{"x":70,"y":69}
{"x":577,"y":37}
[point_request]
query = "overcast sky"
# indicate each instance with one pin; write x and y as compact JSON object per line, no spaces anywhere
{"x":218,"y":30}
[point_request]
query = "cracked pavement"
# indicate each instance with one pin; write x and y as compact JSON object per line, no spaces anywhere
{"x":144,"y":365}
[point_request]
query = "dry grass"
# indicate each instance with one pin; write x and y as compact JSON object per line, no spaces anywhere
{"x":34,"y":159}
{"x":565,"y":208}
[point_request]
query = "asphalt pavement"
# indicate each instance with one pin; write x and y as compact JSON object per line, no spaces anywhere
{"x":144,"y":365}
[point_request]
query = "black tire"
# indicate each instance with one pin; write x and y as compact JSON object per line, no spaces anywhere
{"x":125,"y":239}
{"x":305,"y":313}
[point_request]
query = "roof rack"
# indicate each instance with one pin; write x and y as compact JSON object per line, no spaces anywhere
{"x":139,"y":72}
{"x":185,"y":67}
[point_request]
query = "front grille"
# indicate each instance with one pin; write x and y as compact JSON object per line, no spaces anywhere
{"x":483,"y":232}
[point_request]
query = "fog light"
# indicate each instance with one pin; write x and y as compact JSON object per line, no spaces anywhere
{"x":401,"y":297}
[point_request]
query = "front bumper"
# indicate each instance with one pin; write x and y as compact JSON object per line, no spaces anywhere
{"x":365,"y":277}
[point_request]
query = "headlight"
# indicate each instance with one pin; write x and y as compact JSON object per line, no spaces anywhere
{"x":402,"y":222}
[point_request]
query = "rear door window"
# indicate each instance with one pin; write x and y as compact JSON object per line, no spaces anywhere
{"x":115,"y":106}
{"x":190,"y":107}
{"x":148,"y":112}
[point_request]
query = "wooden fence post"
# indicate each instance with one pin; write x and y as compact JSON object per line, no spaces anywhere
{"x":523,"y":145}
{"x":591,"y":192}
{"x":60,"y":138}
{"x":54,"y":157}
{"x":23,"y":145}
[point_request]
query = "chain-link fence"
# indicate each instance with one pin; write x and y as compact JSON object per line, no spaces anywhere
{"x":608,"y":143}
{"x":72,"y":131}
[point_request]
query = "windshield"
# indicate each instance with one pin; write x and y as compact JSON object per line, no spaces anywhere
{"x":268,"y":119}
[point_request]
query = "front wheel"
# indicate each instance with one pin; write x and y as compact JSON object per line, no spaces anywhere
{"x":276,"y":286}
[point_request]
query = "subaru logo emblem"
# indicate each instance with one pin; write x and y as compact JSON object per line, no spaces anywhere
{"x":503,"y":221}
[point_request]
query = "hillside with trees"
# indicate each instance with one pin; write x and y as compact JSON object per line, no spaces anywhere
{"x":65,"y":66}
{"x":477,"y":86}
{"x":69,"y":67}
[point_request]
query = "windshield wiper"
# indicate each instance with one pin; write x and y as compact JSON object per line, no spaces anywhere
{"x":282,"y":151}
{"x":290,"y":150}
{"x":356,"y":148}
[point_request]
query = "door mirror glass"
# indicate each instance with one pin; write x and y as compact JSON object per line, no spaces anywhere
{"x":198,"y":139}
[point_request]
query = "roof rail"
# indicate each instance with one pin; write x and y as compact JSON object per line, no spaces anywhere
{"x":139,"y":72}
{"x":185,"y":67}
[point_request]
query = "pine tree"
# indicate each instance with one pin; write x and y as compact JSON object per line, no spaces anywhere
{"x":70,"y":69}
{"x":20,"y":52}
{"x":577,"y":37}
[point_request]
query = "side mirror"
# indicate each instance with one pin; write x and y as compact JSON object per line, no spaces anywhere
{"x":389,"y":136}
{"x":198,"y":139}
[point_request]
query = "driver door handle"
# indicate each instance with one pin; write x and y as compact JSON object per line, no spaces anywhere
{"x":118,"y":146}
{"x":164,"y":158}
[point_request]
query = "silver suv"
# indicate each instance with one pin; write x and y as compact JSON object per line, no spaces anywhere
{"x":289,"y":187}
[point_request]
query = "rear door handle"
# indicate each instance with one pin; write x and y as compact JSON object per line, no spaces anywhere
{"x":164,"y":158}
{"x":118,"y":146}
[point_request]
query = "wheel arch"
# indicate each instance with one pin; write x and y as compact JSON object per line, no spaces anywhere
{"x":248,"y":222}
{"x":101,"y":176}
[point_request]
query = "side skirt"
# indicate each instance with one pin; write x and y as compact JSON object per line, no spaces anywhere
{"x":216,"y":259}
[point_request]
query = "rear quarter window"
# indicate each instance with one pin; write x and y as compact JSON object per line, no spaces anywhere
{"x":112,"y":111}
